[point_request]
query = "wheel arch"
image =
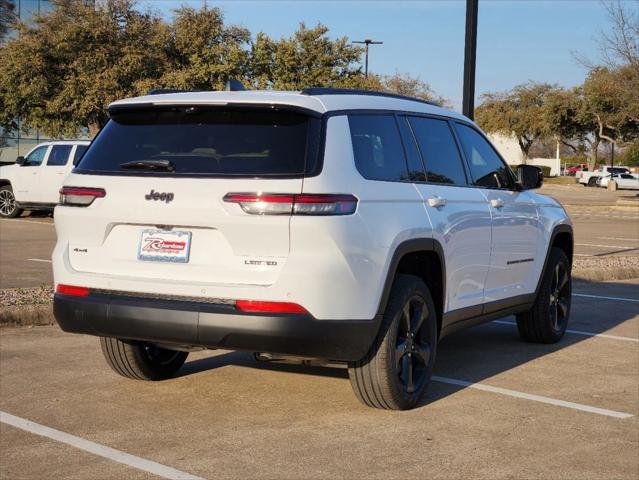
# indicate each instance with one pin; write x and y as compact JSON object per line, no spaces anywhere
{"x":424,"y":258}
{"x":562,"y":237}
{"x":4,"y":182}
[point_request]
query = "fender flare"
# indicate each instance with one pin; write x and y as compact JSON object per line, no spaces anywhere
{"x":557,"y":229}
{"x":406,"y":247}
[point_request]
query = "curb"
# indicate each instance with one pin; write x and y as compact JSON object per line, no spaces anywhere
{"x":26,"y":315}
{"x":600,"y":275}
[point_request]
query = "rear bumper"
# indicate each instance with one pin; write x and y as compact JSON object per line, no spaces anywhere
{"x":213,"y":326}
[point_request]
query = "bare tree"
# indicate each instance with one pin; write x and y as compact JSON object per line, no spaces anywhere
{"x":620,"y":43}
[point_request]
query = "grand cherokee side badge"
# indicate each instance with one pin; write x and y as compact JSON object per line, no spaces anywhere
{"x":164,"y":196}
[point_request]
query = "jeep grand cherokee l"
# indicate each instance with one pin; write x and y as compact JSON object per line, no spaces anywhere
{"x":341,"y":225}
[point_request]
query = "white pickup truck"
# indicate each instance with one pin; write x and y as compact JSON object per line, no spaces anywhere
{"x":589,"y":179}
{"x":34,"y":181}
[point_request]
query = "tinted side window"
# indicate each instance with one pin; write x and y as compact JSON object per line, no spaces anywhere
{"x":377,"y":147}
{"x":416,"y":172}
{"x":35,"y":158}
{"x":59,"y":155}
{"x":439,"y":151}
{"x":79,"y":151}
{"x":486,"y":168}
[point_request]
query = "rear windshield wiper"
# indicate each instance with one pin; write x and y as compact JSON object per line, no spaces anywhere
{"x":149,"y":165}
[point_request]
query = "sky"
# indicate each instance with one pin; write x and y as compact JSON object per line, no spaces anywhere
{"x":517,"y":40}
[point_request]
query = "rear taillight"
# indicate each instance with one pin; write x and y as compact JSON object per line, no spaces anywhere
{"x":72,"y":291}
{"x":258,"y":306}
{"x":80,"y":196}
{"x":287,"y":204}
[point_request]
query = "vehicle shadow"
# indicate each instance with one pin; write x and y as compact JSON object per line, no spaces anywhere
{"x":481,"y":352}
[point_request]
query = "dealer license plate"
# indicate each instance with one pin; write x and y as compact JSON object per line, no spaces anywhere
{"x":165,"y":246}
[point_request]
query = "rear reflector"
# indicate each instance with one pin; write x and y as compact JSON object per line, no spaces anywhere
{"x":256,"y":306}
{"x":72,"y":291}
{"x":292,"y":204}
{"x":80,"y":196}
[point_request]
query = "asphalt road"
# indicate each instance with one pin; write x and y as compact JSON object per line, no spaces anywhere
{"x":26,"y":243}
{"x":497,"y":410}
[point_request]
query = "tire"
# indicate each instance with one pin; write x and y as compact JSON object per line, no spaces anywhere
{"x":382,"y":379}
{"x":140,"y":360}
{"x":547,"y":320}
{"x":8,"y":207}
{"x":592,"y":182}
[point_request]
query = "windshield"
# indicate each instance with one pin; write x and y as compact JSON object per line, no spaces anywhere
{"x":204,"y":141}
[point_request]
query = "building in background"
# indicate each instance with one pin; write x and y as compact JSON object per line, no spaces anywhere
{"x":508,"y":147}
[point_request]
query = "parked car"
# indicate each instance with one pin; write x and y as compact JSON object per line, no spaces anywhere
{"x":340,"y":225}
{"x":572,"y":171}
{"x":589,"y":179}
{"x":624,"y":181}
{"x":34,"y":181}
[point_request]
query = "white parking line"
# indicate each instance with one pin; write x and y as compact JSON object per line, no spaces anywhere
{"x":27,"y":221}
{"x":95,"y":448}
{"x":604,"y":246}
{"x":620,"y":299}
{"x":579,"y":332}
{"x":533,"y":397}
{"x":39,"y":260}
{"x":618,"y":238}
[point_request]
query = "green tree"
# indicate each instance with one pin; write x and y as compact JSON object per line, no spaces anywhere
{"x":61,"y":72}
{"x":611,"y":97}
{"x":309,"y":58}
{"x":518,"y":112}
{"x":7,"y":17}
{"x":405,"y":84}
{"x":569,"y":119}
{"x":204,"y":52}
{"x":630,"y":154}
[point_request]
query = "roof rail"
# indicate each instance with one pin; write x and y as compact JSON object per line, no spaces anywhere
{"x":160,"y":91}
{"x":351,"y":91}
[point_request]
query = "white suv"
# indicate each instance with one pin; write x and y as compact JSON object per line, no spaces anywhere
{"x":341,"y":225}
{"x":34,"y":181}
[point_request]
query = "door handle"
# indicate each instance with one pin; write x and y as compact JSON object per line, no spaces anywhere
{"x":437,"y":202}
{"x":497,"y":203}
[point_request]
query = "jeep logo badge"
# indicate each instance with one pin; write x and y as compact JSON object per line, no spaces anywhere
{"x":164,"y":196}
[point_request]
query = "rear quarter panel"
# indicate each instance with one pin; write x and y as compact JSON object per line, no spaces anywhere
{"x":347,"y":258}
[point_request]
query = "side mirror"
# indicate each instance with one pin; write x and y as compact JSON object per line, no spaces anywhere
{"x":20,"y":160}
{"x":529,"y":177}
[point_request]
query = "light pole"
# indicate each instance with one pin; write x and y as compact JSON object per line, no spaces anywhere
{"x":367,"y":42}
{"x":470,"y":55}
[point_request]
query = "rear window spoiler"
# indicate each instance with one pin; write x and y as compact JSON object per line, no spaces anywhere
{"x":116,"y":108}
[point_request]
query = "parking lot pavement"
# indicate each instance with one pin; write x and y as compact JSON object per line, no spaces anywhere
{"x":25,"y":252}
{"x":228,"y":416}
{"x":580,"y":196}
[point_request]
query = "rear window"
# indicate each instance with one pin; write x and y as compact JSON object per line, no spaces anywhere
{"x":205,"y":141}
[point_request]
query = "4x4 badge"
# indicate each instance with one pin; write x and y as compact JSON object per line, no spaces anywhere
{"x":164,"y":196}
